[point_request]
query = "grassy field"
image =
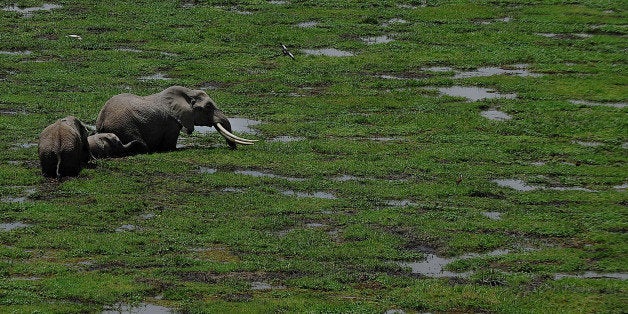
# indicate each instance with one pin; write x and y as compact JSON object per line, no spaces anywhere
{"x":487,"y":140}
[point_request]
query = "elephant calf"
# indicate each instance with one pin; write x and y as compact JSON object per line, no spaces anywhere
{"x":103,"y":145}
{"x":63,"y":148}
{"x":156,"y":120}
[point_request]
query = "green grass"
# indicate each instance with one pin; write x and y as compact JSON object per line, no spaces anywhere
{"x":155,"y":229}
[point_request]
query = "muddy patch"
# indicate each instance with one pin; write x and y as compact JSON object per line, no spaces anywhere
{"x":472,"y":93}
{"x":433,"y":265}
{"x":495,"y":115}
{"x":328,"y":52}
{"x":602,"y":104}
{"x":142,"y":308}
{"x":240,"y":125}
{"x":595,"y":275}
{"x":8,"y":226}
{"x":28,"y":12}
{"x":261,"y":174}
{"x":384,"y":39}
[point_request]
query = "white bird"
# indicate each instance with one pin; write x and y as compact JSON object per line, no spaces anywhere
{"x":76,"y":36}
{"x":286,"y":52}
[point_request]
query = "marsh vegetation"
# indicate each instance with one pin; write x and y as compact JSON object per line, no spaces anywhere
{"x":486,"y":136}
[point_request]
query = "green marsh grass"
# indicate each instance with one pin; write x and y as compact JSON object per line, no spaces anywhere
{"x":418,"y":166}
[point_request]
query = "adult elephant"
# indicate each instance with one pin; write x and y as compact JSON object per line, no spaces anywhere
{"x":155,"y":121}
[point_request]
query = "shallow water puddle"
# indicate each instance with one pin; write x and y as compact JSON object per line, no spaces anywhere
{"x":8,"y":226}
{"x":287,"y":139}
{"x":433,"y":265}
{"x":27,"y":12}
{"x":515,"y":70}
{"x":596,"y":275}
{"x":603,"y":104}
{"x":400,"y":203}
{"x":394,"y":21}
{"x":157,"y":77}
{"x":472,"y":93}
{"x":19,"y":199}
{"x":587,"y":144}
{"x":345,"y":177}
{"x":621,"y":186}
{"x":324,"y":195}
{"x":124,"y":228}
{"x":377,"y":40}
{"x":329,"y":52}
{"x":518,"y":185}
{"x":207,"y":170}
{"x":240,"y":125}
{"x":261,"y":174}
{"x":521,"y":186}
{"x":493,"y":215}
{"x":142,"y":308}
{"x":16,"y":53}
{"x":308,"y":24}
{"x":259,"y":285}
{"x":565,"y":36}
{"x":495,"y":115}
{"x":487,"y":22}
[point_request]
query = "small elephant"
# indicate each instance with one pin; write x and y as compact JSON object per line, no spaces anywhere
{"x":156,"y":120}
{"x":104,"y":145}
{"x":63,"y":148}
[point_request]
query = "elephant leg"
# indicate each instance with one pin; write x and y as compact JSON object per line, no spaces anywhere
{"x":169,"y":142}
{"x":49,"y":164}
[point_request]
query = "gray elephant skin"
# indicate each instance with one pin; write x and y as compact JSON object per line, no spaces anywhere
{"x":105,"y":145}
{"x":63,"y":148}
{"x":154,"y":121}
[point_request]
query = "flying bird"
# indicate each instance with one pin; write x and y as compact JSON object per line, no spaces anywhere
{"x":286,"y":52}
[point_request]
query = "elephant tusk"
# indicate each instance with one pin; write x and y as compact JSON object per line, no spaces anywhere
{"x":230,"y":136}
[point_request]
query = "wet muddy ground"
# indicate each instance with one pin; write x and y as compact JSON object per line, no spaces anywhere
{"x":442,"y":157}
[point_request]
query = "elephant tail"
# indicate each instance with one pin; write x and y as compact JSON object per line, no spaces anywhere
{"x":58,"y":164}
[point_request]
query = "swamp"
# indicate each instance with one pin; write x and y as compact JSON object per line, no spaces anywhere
{"x":414,"y":156}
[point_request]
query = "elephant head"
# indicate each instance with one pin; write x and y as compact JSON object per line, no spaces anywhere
{"x":104,"y":145}
{"x":205,"y":113}
{"x":63,"y":148}
{"x":157,"y":119}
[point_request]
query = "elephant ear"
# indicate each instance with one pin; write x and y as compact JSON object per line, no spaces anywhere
{"x":183,"y":112}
